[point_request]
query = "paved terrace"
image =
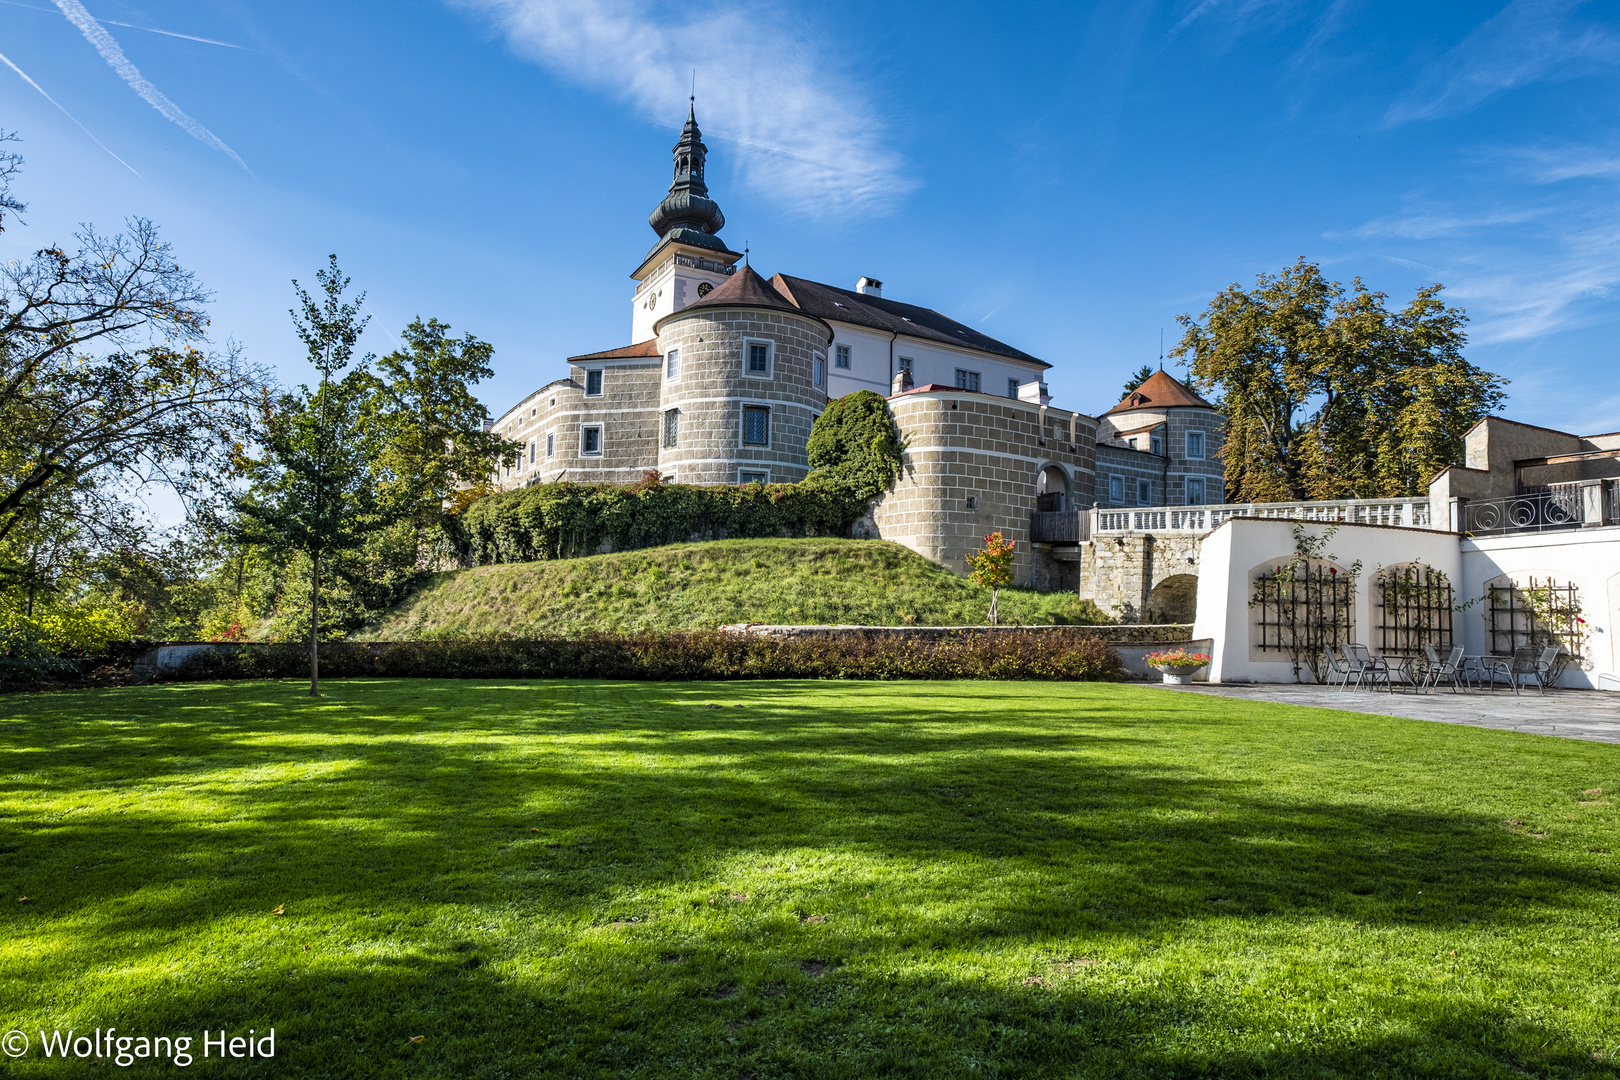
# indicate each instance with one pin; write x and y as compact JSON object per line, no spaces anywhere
{"x":1593,"y":715}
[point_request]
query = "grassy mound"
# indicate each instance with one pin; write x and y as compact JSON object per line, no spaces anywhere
{"x":699,"y":586}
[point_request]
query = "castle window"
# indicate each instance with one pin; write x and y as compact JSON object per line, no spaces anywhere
{"x":593,"y":383}
{"x":1195,"y":445}
{"x":1012,"y":388}
{"x":1156,"y":444}
{"x":672,"y":364}
{"x":967,"y":380}
{"x":531,"y":451}
{"x":672,"y":427}
{"x":551,"y":444}
{"x":905,"y":363}
{"x":1116,"y":490}
{"x":1195,"y":491}
{"x":756,"y":425}
{"x":757,"y":359}
{"x":841,"y":357}
{"x":590,"y":440}
{"x":1144,"y":493}
{"x":753,"y":476}
{"x":821,"y":372}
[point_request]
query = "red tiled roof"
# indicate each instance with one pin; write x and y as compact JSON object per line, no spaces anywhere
{"x":645,"y":348}
{"x":1160,"y":391}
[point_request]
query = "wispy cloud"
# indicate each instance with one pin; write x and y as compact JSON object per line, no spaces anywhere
{"x":805,"y":134}
{"x":1528,"y":41}
{"x":97,"y":35}
{"x":135,"y":26}
{"x":7,"y":61}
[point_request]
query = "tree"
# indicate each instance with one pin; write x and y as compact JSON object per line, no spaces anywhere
{"x":1327,"y":393}
{"x":1143,"y":374}
{"x":992,"y":568}
{"x":312,"y":488}
{"x":106,"y":387}
{"x":430,"y":424}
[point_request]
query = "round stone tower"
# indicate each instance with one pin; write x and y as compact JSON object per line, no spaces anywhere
{"x":743,"y":379}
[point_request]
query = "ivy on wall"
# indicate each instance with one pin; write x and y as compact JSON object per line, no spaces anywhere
{"x":854,"y":455}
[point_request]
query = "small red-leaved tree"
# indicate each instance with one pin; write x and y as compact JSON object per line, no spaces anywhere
{"x":992,"y":567}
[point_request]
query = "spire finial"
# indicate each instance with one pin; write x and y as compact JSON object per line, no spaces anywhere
{"x":745,"y":253}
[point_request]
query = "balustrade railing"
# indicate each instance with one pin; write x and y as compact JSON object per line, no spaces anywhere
{"x":1411,"y":512}
{"x":1562,"y":506}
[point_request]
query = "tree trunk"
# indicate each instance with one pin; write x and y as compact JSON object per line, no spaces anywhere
{"x":995,"y":594}
{"x":315,"y":625}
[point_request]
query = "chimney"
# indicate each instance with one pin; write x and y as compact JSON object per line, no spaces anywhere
{"x":869,"y":286}
{"x":902,"y":382}
{"x":489,"y":423}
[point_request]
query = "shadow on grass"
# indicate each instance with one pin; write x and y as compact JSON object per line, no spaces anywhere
{"x":526,"y":872}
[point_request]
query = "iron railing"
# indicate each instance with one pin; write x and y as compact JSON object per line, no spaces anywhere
{"x":1561,"y":506}
{"x":1412,"y":512}
{"x":698,"y":263}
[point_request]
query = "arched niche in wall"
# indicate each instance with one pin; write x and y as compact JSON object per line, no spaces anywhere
{"x":1411,"y":604}
{"x":1531,"y":609}
{"x":1052,"y":488}
{"x":1297,"y":609}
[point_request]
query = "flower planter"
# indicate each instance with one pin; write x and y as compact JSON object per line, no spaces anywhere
{"x":1177,"y":667}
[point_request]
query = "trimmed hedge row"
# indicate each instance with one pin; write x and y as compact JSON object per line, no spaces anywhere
{"x":682,"y":656}
{"x":854,"y":454}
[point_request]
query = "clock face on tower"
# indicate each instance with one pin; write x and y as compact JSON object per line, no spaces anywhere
{"x":705,"y":289}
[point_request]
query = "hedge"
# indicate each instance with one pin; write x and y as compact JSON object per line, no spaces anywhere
{"x":681,"y":656}
{"x":854,"y":452}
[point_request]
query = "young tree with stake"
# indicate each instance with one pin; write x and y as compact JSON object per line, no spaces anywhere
{"x":992,"y":568}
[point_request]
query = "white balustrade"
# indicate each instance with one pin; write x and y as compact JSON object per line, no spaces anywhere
{"x":1410,"y":512}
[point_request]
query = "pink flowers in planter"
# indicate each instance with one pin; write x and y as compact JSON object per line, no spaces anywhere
{"x":1179,"y":658}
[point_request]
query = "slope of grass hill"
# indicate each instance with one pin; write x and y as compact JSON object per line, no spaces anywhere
{"x":700,"y":586}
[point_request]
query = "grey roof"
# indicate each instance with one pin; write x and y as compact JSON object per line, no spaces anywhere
{"x":862,"y":309}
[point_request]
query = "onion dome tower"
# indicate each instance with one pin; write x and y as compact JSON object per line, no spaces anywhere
{"x":688,"y":260}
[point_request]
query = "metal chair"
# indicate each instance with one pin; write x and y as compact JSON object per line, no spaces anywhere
{"x":1450,"y":668}
{"x":1365,"y":666}
{"x":1338,"y":672}
{"x":1522,"y":664}
{"x":1549,"y":665}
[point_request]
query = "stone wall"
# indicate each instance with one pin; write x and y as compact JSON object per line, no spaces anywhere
{"x":970,"y":469}
{"x":712,"y":389}
{"x":1118,"y":573}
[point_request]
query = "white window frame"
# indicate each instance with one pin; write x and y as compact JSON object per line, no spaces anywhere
{"x":1012,"y":388}
{"x":1141,"y":486}
{"x":601,"y":442}
{"x":770,"y":357}
{"x":1191,"y":482}
{"x":766,"y":473}
{"x":601,"y":381}
{"x":551,"y":444}
{"x":742,"y":425}
{"x":906,"y":365}
{"x":672,"y":366}
{"x":841,"y":357}
{"x":532,"y":449}
{"x":1116,"y":489}
{"x":1198,"y":437}
{"x":671,"y":436}
{"x":818,"y":372}
{"x":964,"y":377}
{"x":1156,"y":445}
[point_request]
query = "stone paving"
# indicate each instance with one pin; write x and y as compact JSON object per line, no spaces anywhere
{"x":1593,"y":715}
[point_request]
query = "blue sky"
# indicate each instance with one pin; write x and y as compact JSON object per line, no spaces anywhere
{"x":1067,"y":177}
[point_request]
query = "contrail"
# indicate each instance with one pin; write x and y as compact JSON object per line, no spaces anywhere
{"x":65,"y":113}
{"x":104,"y":44}
{"x":171,"y":33}
{"x":135,"y":26}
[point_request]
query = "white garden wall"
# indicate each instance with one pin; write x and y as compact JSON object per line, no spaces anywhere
{"x":1241,"y":547}
{"x":1588,"y":558}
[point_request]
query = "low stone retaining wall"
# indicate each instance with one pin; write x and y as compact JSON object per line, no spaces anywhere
{"x":1145,"y":633}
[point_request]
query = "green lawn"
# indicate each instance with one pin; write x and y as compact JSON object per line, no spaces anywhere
{"x":794,"y":879}
{"x":701,"y":586}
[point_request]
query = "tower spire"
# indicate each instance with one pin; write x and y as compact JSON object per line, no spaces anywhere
{"x":687,"y":213}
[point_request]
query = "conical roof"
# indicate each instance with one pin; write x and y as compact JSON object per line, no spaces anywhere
{"x":1160,"y":391}
{"x":745,"y":289}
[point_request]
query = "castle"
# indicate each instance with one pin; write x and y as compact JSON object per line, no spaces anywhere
{"x":727,"y":372}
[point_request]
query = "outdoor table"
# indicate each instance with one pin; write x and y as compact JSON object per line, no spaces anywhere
{"x":1406,"y":670}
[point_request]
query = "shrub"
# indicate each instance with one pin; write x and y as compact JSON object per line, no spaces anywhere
{"x":26,"y":655}
{"x":1066,"y":656}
